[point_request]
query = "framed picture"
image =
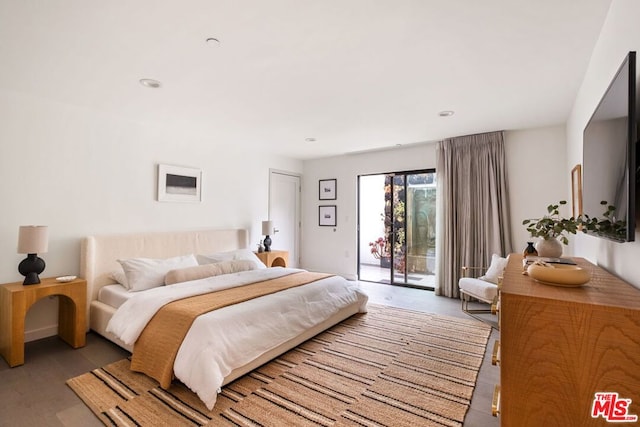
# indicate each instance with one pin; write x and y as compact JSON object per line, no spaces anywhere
{"x":576,"y":190}
{"x":327,"y":189}
{"x":179,"y":184}
{"x":327,"y":216}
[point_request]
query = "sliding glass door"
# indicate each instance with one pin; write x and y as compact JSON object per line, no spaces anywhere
{"x":397,"y":228}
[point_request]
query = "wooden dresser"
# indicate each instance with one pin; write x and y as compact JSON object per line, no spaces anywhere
{"x":559,"y":346}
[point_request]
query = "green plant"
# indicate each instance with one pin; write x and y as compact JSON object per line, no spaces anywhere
{"x":608,"y":226}
{"x":393,"y":217}
{"x":553,"y":226}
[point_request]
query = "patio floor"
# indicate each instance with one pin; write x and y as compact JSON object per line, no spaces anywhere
{"x":375,"y":273}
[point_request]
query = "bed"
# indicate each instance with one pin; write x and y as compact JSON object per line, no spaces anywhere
{"x":99,"y":262}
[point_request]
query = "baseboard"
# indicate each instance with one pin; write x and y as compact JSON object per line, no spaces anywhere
{"x":36,"y":334}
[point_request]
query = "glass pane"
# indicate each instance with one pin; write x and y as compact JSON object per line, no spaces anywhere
{"x":397,"y":212}
{"x":374,"y":256}
{"x":420,"y":229}
{"x":397,"y":228}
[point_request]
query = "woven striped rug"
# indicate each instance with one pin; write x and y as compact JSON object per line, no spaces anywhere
{"x":389,"y":367}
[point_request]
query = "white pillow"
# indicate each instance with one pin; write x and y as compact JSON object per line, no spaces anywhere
{"x":119,"y":276}
{"x":237,"y":255}
{"x":207,"y":270}
{"x":498,"y":264}
{"x":146,"y":273}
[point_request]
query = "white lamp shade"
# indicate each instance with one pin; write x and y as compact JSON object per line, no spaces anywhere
{"x":33,"y":239}
{"x":267,"y":226}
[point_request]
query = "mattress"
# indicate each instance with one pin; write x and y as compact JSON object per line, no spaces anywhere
{"x":114,"y":295}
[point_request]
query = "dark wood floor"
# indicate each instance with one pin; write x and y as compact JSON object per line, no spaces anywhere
{"x":35,"y":394}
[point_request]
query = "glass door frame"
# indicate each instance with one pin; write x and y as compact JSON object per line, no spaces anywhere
{"x":394,"y":230}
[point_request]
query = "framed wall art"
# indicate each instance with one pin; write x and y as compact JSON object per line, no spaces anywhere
{"x":576,"y":190}
{"x":179,"y":184}
{"x":327,"y":216}
{"x":327,"y":189}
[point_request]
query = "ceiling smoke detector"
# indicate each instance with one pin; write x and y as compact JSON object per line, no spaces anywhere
{"x":154,"y":84}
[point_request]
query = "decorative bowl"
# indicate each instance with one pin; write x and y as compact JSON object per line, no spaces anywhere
{"x":558,"y":274}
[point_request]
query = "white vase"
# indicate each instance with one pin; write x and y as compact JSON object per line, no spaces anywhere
{"x":551,"y":248}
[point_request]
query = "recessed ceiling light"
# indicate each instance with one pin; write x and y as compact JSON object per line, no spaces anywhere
{"x":154,"y":84}
{"x":446,"y":113}
{"x":212,"y":41}
{"x":310,"y":140}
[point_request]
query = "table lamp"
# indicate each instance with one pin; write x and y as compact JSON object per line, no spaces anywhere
{"x":32,"y":239}
{"x":267,"y":226}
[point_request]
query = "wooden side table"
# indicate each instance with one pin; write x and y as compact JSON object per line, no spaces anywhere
{"x":274,"y":258}
{"x":15,"y":300}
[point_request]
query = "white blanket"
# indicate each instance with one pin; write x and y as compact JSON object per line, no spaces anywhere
{"x":228,"y":338}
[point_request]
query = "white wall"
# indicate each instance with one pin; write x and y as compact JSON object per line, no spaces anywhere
{"x":82,"y":172}
{"x":620,"y":34}
{"x":537,"y":174}
{"x":334,"y":249}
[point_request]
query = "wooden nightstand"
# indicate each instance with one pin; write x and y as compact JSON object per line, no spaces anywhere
{"x":15,"y":300}
{"x":274,"y":258}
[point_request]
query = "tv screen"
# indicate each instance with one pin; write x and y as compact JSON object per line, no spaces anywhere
{"x":609,"y":156}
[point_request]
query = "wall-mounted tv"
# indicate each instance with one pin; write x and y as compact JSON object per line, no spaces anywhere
{"x":609,"y":155}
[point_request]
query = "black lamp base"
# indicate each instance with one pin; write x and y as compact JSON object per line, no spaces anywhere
{"x":30,"y":267}
{"x":31,"y":279}
{"x":267,"y":243}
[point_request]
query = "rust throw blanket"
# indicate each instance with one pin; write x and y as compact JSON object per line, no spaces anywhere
{"x":155,"y":350}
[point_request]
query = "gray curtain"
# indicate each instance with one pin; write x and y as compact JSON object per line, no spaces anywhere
{"x":472,"y":206}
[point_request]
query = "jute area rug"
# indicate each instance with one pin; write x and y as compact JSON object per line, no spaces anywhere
{"x":389,"y":367}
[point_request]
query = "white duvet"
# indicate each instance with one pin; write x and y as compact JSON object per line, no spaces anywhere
{"x":228,"y":338}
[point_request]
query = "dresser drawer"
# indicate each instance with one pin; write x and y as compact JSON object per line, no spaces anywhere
{"x":495,"y":402}
{"x":495,"y":354}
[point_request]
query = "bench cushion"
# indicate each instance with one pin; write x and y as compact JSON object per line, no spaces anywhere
{"x":480,"y":289}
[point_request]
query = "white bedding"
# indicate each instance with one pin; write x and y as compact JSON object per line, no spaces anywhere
{"x":225,"y":339}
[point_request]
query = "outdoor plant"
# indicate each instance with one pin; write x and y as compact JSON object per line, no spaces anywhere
{"x":379,"y":248}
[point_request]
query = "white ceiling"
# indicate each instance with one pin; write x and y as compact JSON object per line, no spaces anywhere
{"x":353,"y":74}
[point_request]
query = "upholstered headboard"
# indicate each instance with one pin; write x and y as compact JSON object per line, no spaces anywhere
{"x":99,"y":253}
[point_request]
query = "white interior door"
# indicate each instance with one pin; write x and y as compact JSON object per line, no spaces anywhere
{"x":284,"y":211}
